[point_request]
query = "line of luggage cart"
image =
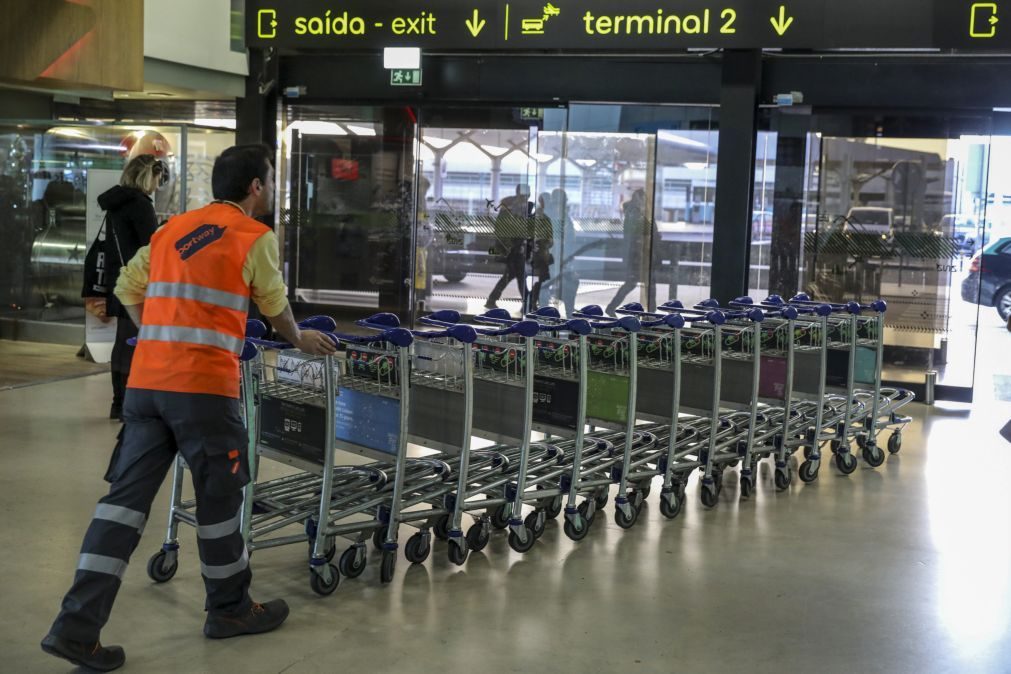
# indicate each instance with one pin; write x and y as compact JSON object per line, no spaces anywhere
{"x":570,"y":410}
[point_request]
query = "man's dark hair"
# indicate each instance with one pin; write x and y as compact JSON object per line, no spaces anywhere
{"x":237,"y":167}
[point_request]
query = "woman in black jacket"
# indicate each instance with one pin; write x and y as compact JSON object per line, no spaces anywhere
{"x":131,"y":222}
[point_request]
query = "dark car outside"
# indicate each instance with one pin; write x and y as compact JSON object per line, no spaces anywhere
{"x":989,"y":279}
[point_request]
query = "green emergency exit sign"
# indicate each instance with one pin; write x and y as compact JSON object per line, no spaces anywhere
{"x":405,"y":77}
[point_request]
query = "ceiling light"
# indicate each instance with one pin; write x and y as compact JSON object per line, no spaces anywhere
{"x":401,"y":57}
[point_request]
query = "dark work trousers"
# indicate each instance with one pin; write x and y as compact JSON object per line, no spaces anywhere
{"x":516,"y":268}
{"x":208,"y":431}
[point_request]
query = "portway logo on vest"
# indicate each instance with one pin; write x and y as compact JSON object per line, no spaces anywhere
{"x":198,"y":239}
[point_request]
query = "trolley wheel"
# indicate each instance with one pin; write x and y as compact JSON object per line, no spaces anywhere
{"x":441,"y":528}
{"x":807,"y":472}
{"x":835,"y":445}
{"x":554,"y":508}
{"x":873,"y":455}
{"x":673,"y":508}
{"x":710,"y":497}
{"x":718,"y":481}
{"x":584,"y":508}
{"x":417,"y":548}
{"x":500,"y":516}
{"x":478,"y":536}
{"x":534,"y":524}
{"x":601,"y":497}
{"x":625,"y":521}
{"x":156,"y":569}
{"x":348,"y":564}
{"x":783,"y":478}
{"x":846,"y":463}
{"x":388,"y":565}
{"x":458,"y":553}
{"x":576,"y":532}
{"x":861,"y":441}
{"x":320,"y":586}
{"x":645,"y":488}
{"x":734,"y":463}
{"x":894,"y":442}
{"x":747,"y":486}
{"x":519,"y":546}
{"x":379,"y":537}
{"x":808,"y":451}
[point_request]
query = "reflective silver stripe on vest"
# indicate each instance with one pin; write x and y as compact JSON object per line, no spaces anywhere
{"x":121,"y":515}
{"x":174,"y":333}
{"x":219,"y":530}
{"x":102,"y":564}
{"x":226,"y":570}
{"x":189,"y":291}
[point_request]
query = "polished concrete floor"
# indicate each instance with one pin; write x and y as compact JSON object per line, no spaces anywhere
{"x":906,"y":568}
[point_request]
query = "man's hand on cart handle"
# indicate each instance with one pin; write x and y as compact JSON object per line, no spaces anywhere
{"x":308,"y":341}
{"x":315,"y":343}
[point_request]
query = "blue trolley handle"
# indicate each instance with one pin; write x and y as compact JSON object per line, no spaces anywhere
{"x":754,"y":315}
{"x":594,"y":314}
{"x":776,"y":302}
{"x":877,"y":306}
{"x":652,"y":320}
{"x":449,"y":318}
{"x":786,"y":312}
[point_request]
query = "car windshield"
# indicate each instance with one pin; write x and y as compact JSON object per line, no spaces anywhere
{"x":870,"y":217}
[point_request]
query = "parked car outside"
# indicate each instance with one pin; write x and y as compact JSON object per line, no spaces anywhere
{"x":989,"y":279}
{"x":870,"y":220}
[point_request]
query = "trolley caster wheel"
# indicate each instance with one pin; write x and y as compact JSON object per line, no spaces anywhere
{"x":478,"y":536}
{"x":861,"y":441}
{"x":783,"y":478}
{"x":441,"y":528}
{"x":319,"y":584}
{"x":417,"y":548}
{"x":458,"y":553}
{"x":710,"y":497}
{"x":500,"y":516}
{"x":734,"y":463}
{"x":522,"y":546}
{"x":873,"y":456}
{"x":576,"y":532}
{"x":379,"y":537}
{"x":584,"y":508}
{"x":625,"y":521}
{"x":718,"y":481}
{"x":554,"y":508}
{"x":601,"y":497}
{"x":808,"y":451}
{"x":157,"y":569}
{"x":535,"y":524}
{"x":846,"y":463}
{"x":894,"y":443}
{"x":351,"y":564}
{"x":388,"y":565}
{"x":645,"y":488}
{"x":808,"y":472}
{"x":747,"y":487}
{"x":835,"y":445}
{"x":670,"y":505}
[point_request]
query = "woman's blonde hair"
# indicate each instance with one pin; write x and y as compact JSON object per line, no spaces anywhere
{"x":143,"y":173}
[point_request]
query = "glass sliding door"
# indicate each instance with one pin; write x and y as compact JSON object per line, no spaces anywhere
{"x":867,"y":206}
{"x":347,"y":208}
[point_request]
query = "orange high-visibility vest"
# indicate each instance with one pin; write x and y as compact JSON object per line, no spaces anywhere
{"x":195,"y":304}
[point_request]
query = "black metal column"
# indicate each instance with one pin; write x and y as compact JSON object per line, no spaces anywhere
{"x":256,"y":112}
{"x":735,"y":173}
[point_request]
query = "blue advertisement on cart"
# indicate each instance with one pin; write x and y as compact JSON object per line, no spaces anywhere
{"x":368,"y":420}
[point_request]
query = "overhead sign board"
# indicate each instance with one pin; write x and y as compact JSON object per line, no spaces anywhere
{"x":639,"y":25}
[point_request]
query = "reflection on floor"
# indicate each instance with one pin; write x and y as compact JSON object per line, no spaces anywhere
{"x":906,"y":568}
{"x":24,"y":363}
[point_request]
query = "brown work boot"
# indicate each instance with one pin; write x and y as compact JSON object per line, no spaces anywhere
{"x":91,"y":656}
{"x":254,"y":619}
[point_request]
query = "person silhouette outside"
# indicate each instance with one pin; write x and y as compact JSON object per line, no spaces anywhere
{"x":634,"y":238}
{"x":511,"y":225}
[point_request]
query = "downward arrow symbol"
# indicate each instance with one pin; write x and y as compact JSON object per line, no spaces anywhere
{"x":475,"y":25}
{"x":782,"y":23}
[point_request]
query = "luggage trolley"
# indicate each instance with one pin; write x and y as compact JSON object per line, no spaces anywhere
{"x":163,"y":564}
{"x":308,"y":408}
{"x":859,"y":340}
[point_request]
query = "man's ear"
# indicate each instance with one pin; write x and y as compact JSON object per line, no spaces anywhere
{"x":255,"y":187}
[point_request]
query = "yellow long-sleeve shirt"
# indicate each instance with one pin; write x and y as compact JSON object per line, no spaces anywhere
{"x":261,"y":271}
